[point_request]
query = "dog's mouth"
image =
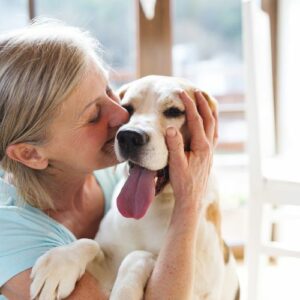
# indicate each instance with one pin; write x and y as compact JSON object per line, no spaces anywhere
{"x":161,"y":178}
{"x":139,"y":190}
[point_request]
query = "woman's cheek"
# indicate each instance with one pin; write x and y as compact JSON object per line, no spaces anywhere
{"x":96,"y":135}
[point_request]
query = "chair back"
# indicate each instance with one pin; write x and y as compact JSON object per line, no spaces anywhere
{"x":259,"y":87}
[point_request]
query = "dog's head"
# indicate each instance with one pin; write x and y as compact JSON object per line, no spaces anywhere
{"x":153,"y":104}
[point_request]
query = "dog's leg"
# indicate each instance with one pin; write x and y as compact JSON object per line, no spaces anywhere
{"x":55,"y":273}
{"x":133,"y":275}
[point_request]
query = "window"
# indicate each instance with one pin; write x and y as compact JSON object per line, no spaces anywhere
{"x":207,"y":50}
{"x":111,"y":22}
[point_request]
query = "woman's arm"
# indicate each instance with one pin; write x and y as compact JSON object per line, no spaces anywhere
{"x":173,"y":274}
{"x":86,"y":288}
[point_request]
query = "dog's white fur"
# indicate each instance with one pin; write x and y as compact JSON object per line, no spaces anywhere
{"x":128,"y":247}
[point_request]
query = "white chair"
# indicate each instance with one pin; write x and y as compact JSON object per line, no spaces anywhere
{"x":271,"y":178}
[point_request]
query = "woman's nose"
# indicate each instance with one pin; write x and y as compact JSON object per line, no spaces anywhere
{"x":117,"y":115}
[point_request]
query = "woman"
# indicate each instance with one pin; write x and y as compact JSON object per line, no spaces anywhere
{"x":58,"y":120}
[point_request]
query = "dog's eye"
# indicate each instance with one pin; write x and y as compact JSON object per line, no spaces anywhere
{"x":173,"y":112}
{"x":129,"y":108}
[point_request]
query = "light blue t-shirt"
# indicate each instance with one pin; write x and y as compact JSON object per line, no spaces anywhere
{"x":26,"y":232}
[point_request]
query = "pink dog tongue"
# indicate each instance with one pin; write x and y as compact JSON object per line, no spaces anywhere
{"x":137,"y":193}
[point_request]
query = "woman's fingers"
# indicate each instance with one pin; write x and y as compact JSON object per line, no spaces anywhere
{"x":177,"y":158}
{"x":194,"y":122}
{"x":207,"y":116}
{"x":201,"y":121}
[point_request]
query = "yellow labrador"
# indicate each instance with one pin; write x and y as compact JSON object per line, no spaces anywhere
{"x":132,"y":232}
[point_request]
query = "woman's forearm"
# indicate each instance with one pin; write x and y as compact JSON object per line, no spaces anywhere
{"x":173,"y":274}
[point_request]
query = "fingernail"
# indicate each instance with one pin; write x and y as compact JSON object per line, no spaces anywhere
{"x":171,"y":131}
{"x":197,"y":91}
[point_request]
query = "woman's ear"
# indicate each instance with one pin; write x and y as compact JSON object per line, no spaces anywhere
{"x":29,"y":155}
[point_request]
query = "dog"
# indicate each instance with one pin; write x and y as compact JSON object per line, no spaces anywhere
{"x":123,"y":253}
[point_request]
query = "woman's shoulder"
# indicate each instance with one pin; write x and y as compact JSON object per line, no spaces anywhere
{"x":18,"y":218}
{"x":26,"y":233}
{"x":15,"y":212}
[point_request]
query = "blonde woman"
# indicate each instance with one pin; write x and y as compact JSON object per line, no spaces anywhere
{"x":58,"y":119}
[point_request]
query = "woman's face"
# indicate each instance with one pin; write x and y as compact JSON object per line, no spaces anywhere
{"x":82,"y":135}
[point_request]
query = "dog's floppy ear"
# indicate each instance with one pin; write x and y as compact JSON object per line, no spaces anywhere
{"x":213,"y":104}
{"x":122,"y":90}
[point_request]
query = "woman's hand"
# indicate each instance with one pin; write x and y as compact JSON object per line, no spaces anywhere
{"x":189,"y":171}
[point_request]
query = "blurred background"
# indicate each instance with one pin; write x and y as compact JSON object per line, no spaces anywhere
{"x":202,"y":40}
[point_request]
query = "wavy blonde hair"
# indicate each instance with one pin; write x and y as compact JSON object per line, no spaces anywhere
{"x":40,"y":65}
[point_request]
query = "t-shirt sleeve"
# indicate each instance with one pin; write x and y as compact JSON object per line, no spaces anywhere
{"x":108,"y":179}
{"x":25,"y":235}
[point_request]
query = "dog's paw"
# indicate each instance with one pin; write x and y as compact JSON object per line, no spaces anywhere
{"x":138,"y":262}
{"x":55,"y":274}
{"x":133,"y":275}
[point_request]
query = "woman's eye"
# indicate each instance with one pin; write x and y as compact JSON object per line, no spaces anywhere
{"x":95,"y":118}
{"x":129,"y":108}
{"x":173,"y":112}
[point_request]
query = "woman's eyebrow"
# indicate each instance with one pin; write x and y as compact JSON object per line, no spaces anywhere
{"x":88,"y":105}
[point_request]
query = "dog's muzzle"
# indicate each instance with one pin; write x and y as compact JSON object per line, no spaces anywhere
{"x":142,"y":184}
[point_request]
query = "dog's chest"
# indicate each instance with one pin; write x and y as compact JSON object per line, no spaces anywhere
{"x":154,"y":232}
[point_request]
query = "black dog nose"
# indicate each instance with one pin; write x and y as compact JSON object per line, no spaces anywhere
{"x":130,"y":140}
